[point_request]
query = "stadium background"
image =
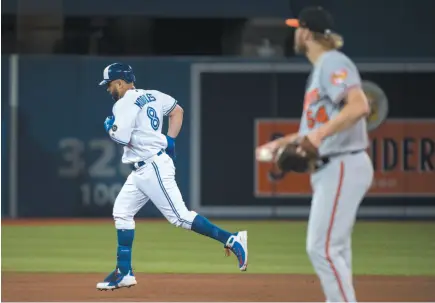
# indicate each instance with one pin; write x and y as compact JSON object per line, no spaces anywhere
{"x":53,"y":55}
{"x":231,"y":66}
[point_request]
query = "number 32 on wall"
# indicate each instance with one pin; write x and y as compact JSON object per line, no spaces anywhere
{"x":319,"y":117}
{"x":74,"y":153}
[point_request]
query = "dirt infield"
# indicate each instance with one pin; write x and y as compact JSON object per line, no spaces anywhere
{"x":208,"y":287}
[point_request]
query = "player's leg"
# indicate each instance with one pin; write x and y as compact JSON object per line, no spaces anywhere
{"x":157,"y":180}
{"x":128,"y":202}
{"x":347,"y":255}
{"x":328,"y":263}
{"x":338,"y":191}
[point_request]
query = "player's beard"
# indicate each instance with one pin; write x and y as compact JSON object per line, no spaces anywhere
{"x":300,"y":48}
{"x":115,"y":95}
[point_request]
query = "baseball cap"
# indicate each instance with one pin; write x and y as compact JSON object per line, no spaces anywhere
{"x":318,"y":20}
{"x":118,"y":71}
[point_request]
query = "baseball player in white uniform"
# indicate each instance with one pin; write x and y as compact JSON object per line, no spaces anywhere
{"x":137,"y":124}
{"x":334,"y":121}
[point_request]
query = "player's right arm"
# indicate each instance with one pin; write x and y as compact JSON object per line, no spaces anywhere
{"x":125,"y":112}
{"x":274,"y":145}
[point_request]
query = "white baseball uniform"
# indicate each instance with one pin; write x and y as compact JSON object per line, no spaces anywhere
{"x":341,"y":184}
{"x":138,"y":126}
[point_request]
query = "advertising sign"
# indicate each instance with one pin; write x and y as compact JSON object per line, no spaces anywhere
{"x":402,"y":152}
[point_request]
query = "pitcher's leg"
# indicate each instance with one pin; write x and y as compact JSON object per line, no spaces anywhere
{"x":328,"y":263}
{"x":347,"y":255}
{"x":331,"y":219}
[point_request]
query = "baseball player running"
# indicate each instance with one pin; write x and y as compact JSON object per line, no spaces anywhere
{"x":333,"y":124}
{"x":137,"y":124}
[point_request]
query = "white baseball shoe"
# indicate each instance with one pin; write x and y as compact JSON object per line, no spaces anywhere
{"x":117,"y":280}
{"x":238,"y":244}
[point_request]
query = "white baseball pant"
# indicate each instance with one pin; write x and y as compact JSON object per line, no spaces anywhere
{"x":156,"y":181}
{"x":338,"y":189}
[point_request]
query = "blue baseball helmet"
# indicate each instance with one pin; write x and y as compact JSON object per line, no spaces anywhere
{"x":118,"y":71}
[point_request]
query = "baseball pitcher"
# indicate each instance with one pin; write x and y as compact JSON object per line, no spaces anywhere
{"x":331,"y":144}
{"x":136,"y":124}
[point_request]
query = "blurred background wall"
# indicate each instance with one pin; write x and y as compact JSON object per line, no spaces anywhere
{"x":231,"y":66}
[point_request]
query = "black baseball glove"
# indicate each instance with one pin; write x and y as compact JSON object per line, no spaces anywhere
{"x":299,"y":156}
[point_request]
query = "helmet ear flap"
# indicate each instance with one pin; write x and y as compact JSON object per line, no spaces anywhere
{"x":129,"y":76}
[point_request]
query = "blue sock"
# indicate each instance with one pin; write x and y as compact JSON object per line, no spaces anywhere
{"x":125,"y":243}
{"x":204,"y":227}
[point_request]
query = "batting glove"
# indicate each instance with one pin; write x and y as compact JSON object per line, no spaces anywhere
{"x":108,"y":123}
{"x":170,"y":149}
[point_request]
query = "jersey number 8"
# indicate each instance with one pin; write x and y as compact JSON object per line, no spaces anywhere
{"x":152,"y":114}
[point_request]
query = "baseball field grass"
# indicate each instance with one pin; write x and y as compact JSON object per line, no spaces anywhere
{"x":389,"y":248}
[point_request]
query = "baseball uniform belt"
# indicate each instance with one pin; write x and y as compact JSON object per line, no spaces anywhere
{"x":326,"y":159}
{"x":139,"y":164}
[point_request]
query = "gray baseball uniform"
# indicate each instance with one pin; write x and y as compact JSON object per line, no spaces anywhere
{"x":341,"y":184}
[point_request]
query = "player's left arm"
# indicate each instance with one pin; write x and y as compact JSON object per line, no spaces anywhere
{"x":175,"y":113}
{"x":125,"y":115}
{"x":342,"y":83}
{"x":175,"y":121}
